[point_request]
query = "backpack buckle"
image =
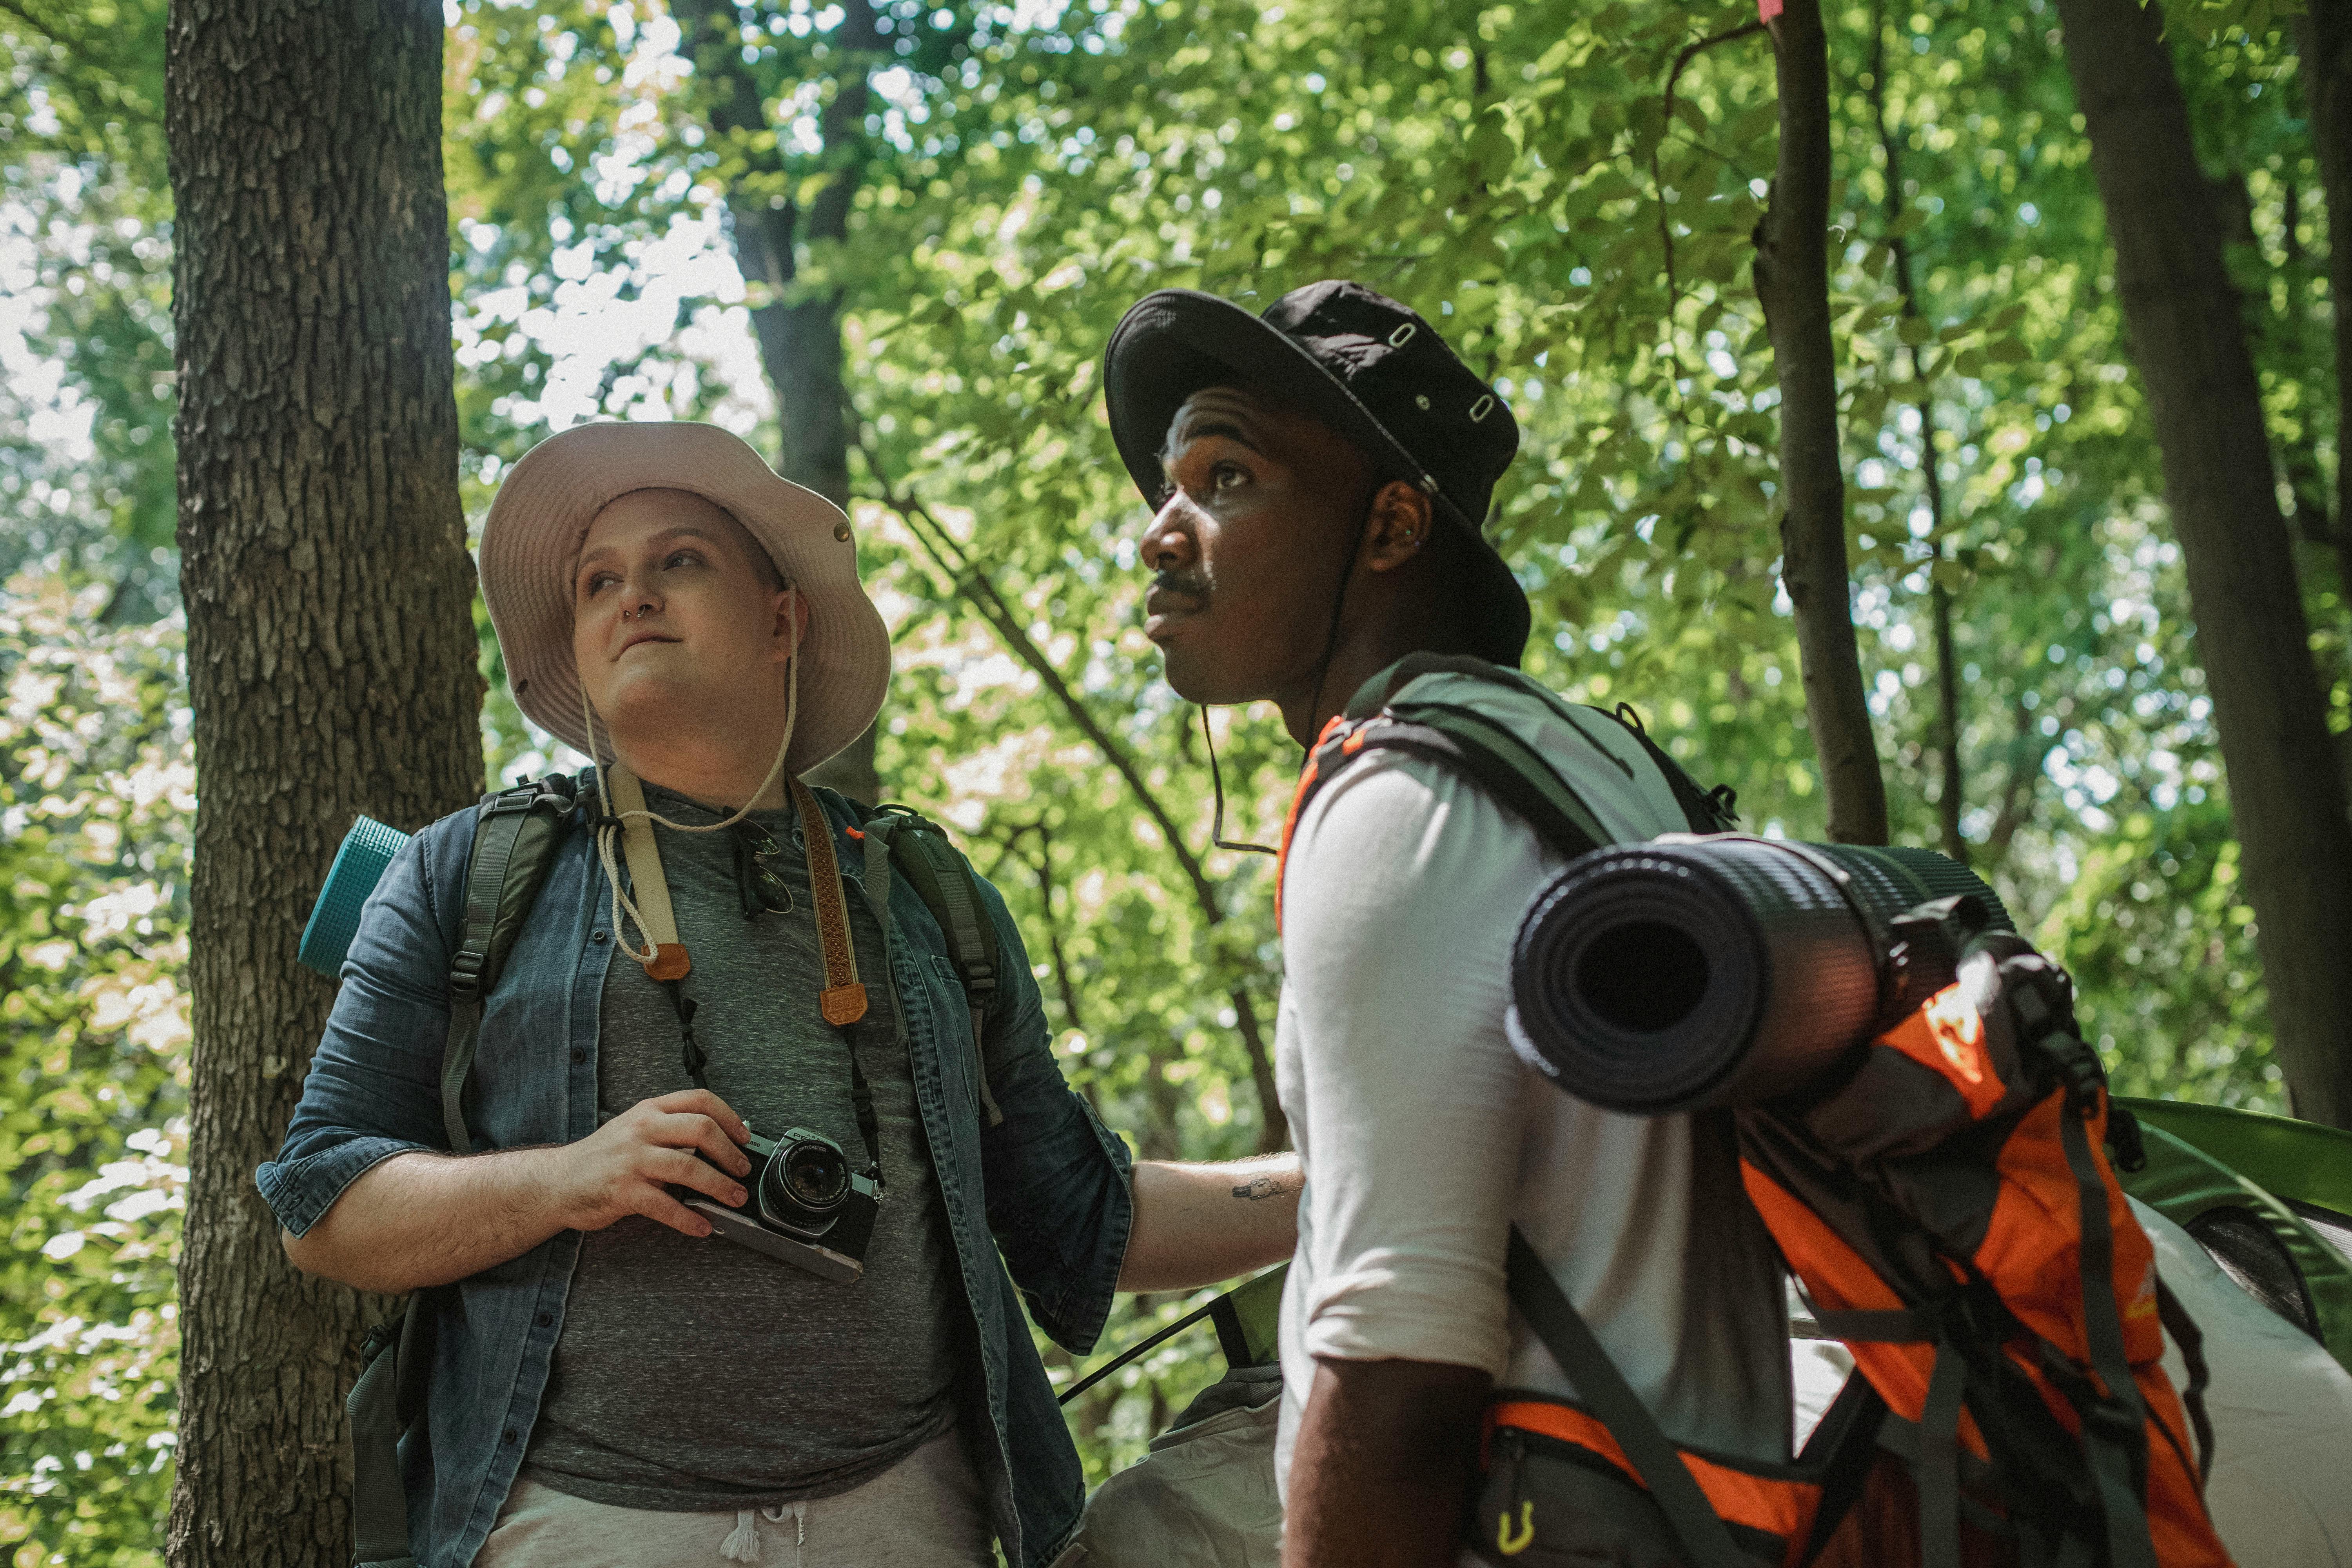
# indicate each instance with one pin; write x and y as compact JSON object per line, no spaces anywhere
{"x":466,"y":974}
{"x":522,"y":797}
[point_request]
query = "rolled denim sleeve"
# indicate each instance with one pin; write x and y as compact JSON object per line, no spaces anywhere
{"x":1058,"y":1200}
{"x":375,"y":1084}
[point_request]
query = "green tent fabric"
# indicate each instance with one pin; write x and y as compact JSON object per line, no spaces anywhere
{"x":2232,"y":1179}
{"x":1256,"y":1305}
{"x":2301,"y":1162}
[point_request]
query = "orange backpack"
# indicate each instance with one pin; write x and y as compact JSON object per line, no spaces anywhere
{"x":1949,"y":1210}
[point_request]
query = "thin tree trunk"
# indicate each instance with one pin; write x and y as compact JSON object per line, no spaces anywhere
{"x":2324,"y":39}
{"x":330,"y":663}
{"x":797,"y":323}
{"x":1793,"y":284}
{"x":1947,"y":677}
{"x":2286,"y":788}
{"x":1948,"y":799}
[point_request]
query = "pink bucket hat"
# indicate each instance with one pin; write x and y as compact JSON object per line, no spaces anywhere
{"x":543,"y":510}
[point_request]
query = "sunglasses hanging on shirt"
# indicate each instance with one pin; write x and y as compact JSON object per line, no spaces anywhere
{"x":758,"y":886}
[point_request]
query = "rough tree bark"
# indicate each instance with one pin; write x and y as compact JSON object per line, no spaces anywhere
{"x":798,"y":322}
{"x":331,"y":662}
{"x":1793,"y":284}
{"x":2324,"y":39}
{"x":2188,"y":337}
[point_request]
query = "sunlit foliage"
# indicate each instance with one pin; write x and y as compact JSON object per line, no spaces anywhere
{"x":1520,"y":174}
{"x":96,"y":805}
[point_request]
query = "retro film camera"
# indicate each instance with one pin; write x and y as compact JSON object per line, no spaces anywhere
{"x":806,"y":1206}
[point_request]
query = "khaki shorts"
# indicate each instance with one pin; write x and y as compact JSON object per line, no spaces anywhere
{"x":925,"y":1510}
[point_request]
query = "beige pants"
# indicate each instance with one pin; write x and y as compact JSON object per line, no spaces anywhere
{"x":925,"y":1510}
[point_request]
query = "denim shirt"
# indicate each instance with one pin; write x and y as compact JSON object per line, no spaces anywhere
{"x":1043,"y":1194}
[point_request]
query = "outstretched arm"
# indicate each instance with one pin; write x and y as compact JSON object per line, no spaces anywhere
{"x":1196,"y":1225}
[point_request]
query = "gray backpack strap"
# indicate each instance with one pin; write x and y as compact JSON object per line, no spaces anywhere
{"x":515,"y":835}
{"x":514,"y":842}
{"x":1562,"y":1331}
{"x":950,"y":889}
{"x":515,"y":832}
{"x":390,"y":1394}
{"x":1492,"y":755}
{"x":1713,"y":810}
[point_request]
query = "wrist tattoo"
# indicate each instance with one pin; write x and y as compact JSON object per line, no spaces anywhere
{"x":1259,"y":1188}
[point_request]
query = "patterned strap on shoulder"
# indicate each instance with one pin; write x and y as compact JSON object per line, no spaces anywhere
{"x":843,"y":1000}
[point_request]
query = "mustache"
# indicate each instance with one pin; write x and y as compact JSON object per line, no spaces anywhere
{"x":1192,"y":583}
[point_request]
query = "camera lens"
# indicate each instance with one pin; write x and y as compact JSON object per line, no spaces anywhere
{"x":815,"y":1176}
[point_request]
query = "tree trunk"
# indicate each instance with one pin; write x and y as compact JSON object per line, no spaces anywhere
{"x":796,"y":322}
{"x":2286,"y":789}
{"x":1948,"y":679}
{"x":331,"y":662}
{"x":2324,"y":39}
{"x":1947,"y":697}
{"x":1793,"y":284}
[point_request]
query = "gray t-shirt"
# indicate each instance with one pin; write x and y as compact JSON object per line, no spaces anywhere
{"x":696,"y":1375}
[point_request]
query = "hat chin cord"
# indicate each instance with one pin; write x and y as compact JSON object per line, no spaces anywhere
{"x":1322,"y":674}
{"x":608,"y":826}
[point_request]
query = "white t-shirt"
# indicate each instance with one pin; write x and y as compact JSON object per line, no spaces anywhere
{"x":1424,"y":1137}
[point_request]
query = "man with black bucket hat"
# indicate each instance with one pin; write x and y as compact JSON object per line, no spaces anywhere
{"x":1321,"y":476}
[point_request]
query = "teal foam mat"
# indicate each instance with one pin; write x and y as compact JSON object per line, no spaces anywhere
{"x":359,"y":865}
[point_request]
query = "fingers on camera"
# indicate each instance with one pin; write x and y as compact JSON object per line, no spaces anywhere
{"x":681,"y":1130}
{"x":680,"y":1168}
{"x":675,"y":1215}
{"x":701,"y":1101}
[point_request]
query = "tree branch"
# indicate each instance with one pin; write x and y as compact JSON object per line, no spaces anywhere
{"x":977,"y":590}
{"x":2017,"y":793}
{"x":1690,"y":52}
{"x":1043,"y":869}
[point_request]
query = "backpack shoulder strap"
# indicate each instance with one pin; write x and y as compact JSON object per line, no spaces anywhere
{"x":950,"y":889}
{"x":1707,"y":810}
{"x":1490,"y":754}
{"x":515,"y":832}
{"x":1493,"y":758}
{"x":1555,"y":1321}
{"x":395,"y":1363}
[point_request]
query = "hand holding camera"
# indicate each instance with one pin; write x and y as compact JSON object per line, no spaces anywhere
{"x":807,"y":1205}
{"x":631,"y":1163}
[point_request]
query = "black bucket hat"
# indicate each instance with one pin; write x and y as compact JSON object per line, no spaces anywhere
{"x":1365,"y":365}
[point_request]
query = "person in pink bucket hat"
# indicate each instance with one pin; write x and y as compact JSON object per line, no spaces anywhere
{"x":727,"y":1244}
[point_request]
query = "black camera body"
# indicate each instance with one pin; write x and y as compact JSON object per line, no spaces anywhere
{"x":806,"y":1206}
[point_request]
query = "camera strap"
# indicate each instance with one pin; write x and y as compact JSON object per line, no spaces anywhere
{"x":843,"y":1000}
{"x":861,"y":1094}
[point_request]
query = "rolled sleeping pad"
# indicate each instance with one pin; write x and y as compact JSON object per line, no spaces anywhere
{"x":1691,"y":972}
{"x":359,"y":865}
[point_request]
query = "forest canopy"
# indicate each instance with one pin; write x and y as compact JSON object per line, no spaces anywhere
{"x":655,"y":210}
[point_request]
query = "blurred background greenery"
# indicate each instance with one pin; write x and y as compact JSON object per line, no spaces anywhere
{"x":1008,"y":181}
